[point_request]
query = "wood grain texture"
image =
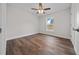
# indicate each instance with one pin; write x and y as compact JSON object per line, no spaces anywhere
{"x":39,"y":44}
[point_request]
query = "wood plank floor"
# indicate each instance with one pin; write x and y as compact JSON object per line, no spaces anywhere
{"x":39,"y":44}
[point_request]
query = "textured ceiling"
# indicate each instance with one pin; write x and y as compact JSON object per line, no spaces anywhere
{"x":54,"y":6}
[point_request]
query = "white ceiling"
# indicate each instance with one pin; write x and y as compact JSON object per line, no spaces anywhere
{"x":54,"y":6}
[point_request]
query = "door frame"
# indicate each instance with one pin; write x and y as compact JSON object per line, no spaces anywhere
{"x":3,"y":34}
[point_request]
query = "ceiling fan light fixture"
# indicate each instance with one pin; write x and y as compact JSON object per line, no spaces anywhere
{"x":40,"y":11}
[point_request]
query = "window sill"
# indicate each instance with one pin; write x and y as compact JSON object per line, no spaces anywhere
{"x":50,"y":30}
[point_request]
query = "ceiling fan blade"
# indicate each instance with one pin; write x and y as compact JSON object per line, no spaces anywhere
{"x":47,"y":8}
{"x":34,"y":9}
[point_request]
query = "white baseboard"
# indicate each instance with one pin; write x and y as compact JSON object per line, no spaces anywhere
{"x":58,"y":35}
{"x":20,"y":36}
{"x":36,"y":33}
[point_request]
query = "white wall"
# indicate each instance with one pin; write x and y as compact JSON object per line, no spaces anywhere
{"x":61,"y":21}
{"x":20,"y":22}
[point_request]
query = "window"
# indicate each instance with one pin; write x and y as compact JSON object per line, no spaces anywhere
{"x":50,"y":23}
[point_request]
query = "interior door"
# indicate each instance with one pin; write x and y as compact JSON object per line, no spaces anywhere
{"x":0,"y":28}
{"x":73,"y":17}
{"x":0,"y":36}
{"x":75,"y":27}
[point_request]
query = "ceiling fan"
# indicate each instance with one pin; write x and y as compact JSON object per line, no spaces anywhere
{"x":41,"y":9}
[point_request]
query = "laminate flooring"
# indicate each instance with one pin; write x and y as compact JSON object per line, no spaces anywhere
{"x":39,"y":44}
